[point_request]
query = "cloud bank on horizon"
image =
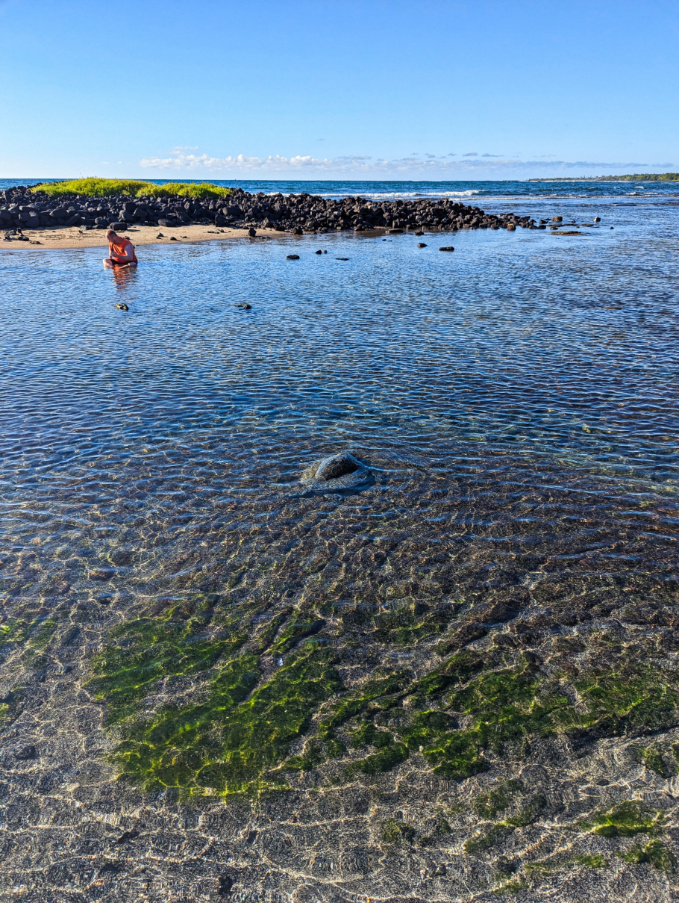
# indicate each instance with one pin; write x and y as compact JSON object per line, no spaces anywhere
{"x":185,"y":160}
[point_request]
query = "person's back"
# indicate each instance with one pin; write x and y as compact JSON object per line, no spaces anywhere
{"x":120,"y":251}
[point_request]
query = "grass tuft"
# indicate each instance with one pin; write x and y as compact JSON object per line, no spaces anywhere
{"x":106,"y":188}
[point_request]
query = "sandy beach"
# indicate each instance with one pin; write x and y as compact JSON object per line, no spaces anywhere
{"x":73,"y":239}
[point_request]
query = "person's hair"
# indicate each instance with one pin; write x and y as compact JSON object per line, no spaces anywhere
{"x":110,"y":233}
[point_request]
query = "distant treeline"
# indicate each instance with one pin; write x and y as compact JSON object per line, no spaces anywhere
{"x":635,"y":177}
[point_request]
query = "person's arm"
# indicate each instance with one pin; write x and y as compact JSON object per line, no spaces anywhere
{"x":129,"y":253}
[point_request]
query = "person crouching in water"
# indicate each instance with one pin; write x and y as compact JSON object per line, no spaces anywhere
{"x":120,"y":251}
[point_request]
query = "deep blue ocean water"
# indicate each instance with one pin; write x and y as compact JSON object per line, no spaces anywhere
{"x":474,"y":191}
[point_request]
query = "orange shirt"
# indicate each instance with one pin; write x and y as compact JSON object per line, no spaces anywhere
{"x":120,"y":247}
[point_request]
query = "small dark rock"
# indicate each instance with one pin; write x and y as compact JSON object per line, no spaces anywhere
{"x":319,"y":252}
{"x":165,"y":223}
{"x":252,"y":232}
{"x":557,"y":219}
{"x":292,"y":257}
{"x":25,"y":753}
{"x":225,"y":885}
{"x":118,"y":227}
{"x":128,"y":835}
{"x":597,"y":219}
{"x":298,"y":230}
{"x":120,"y":307}
{"x":421,"y":244}
{"x":341,"y":258}
{"x":244,"y":305}
{"x":160,"y":235}
{"x":173,"y":238}
{"x":447,"y":248}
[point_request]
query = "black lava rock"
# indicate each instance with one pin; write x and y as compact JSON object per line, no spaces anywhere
{"x":447,"y":248}
{"x":292,"y":257}
{"x":296,"y":214}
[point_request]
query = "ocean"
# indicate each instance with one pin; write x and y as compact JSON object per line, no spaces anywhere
{"x":273,"y":687}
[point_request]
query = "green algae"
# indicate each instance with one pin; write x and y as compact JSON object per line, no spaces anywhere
{"x":633,"y":699}
{"x":484,"y":840}
{"x":298,"y":629}
{"x":381,"y":693}
{"x":627,"y":819}
{"x":487,"y":838}
{"x":651,"y":757}
{"x":655,"y":853}
{"x":410,"y":624}
{"x":494,"y":801}
{"x":145,"y":651}
{"x":234,"y":741}
{"x":592,"y":861}
{"x":31,"y":636}
{"x":225,"y":732}
{"x":239,"y":729}
{"x":511,"y":887}
{"x":394,"y":831}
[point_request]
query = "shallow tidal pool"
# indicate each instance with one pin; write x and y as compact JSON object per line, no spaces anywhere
{"x":456,"y":682}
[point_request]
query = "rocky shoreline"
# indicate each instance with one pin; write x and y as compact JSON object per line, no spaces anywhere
{"x":24,"y":208}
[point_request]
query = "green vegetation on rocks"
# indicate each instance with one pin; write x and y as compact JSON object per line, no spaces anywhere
{"x":100,"y":188}
{"x":240,"y":727}
{"x":625,"y":820}
{"x":395,"y":832}
{"x":655,"y":853}
{"x":208,"y":698}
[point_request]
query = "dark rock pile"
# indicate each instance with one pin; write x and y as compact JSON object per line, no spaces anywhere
{"x":21,"y":208}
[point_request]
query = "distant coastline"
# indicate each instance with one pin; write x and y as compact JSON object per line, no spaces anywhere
{"x":634,"y":177}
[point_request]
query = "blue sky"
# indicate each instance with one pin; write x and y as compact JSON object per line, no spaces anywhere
{"x":401,"y":89}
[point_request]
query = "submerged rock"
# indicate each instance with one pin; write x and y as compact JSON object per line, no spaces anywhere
{"x":121,"y":306}
{"x":292,"y":257}
{"x":337,"y":472}
{"x":337,"y":466}
{"x":448,"y":248}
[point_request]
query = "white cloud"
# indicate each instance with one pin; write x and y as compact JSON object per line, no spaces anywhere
{"x":181,"y":161}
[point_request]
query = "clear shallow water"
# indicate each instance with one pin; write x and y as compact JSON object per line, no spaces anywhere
{"x":533,"y":354}
{"x":516,"y":400}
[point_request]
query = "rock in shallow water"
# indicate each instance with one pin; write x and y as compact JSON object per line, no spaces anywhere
{"x":337,"y":466}
{"x":338,"y":472}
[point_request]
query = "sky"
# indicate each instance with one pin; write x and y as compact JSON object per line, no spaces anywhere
{"x":338,"y":89}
